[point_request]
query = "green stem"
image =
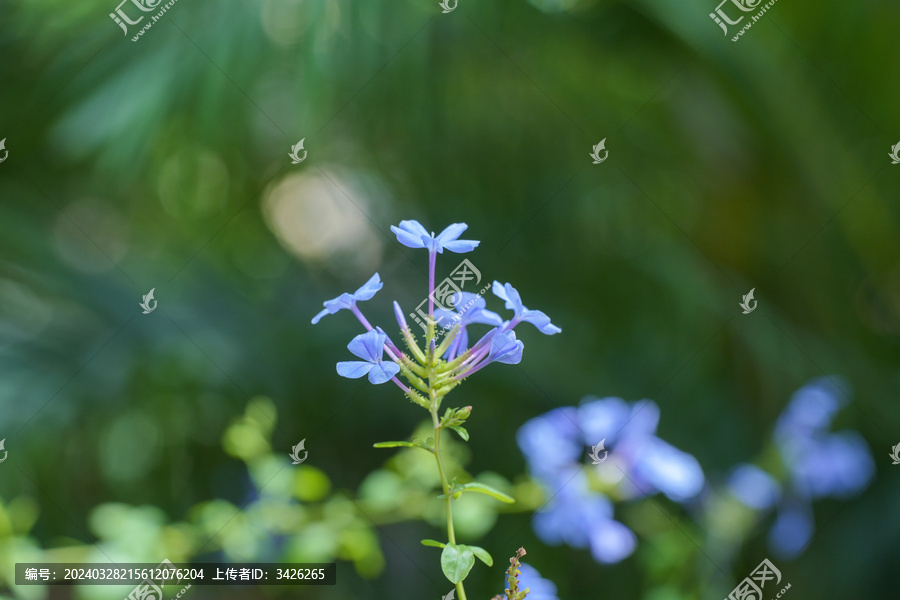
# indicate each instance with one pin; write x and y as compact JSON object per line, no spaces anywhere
{"x":434,"y":397}
{"x":445,"y":484}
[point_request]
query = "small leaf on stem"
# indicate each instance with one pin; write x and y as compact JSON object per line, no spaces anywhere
{"x":482,"y":555}
{"x":456,"y":562}
{"x":482,"y":488}
{"x":461,"y":431}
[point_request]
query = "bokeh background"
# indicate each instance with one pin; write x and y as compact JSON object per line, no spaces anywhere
{"x":163,"y":164}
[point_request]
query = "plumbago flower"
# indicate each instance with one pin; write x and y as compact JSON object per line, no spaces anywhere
{"x":815,"y":464}
{"x":432,"y":370}
{"x":580,"y":512}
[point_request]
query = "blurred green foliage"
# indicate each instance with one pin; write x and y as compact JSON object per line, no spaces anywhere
{"x":162,"y":164}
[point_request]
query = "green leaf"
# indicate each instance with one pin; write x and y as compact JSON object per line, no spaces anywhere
{"x":395,"y":444}
{"x":482,"y":488}
{"x":412,"y":444}
{"x":456,"y":562}
{"x":433,"y":543}
{"x":461,"y":431}
{"x":483,"y":555}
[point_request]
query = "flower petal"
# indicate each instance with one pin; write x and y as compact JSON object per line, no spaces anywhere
{"x":792,"y":530}
{"x":449,"y":239}
{"x":451,"y":233}
{"x":459,"y":246}
{"x":353,"y":369}
{"x":602,"y":418}
{"x":368,"y":346}
{"x":611,"y":542}
{"x":508,"y":294}
{"x":644,"y":418}
{"x":334,"y":305}
{"x":343,"y":301}
{"x":410,"y":234}
{"x":675,"y":473}
{"x":383,"y":371}
{"x":837,"y":464}
{"x":505,"y":348}
{"x":754,"y":487}
{"x":541,"y":321}
{"x":368,"y":289}
{"x":810,"y":411}
{"x":551,"y":441}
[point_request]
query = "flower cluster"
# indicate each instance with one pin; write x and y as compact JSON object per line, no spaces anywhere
{"x":638,"y":464}
{"x":817,"y":464}
{"x":434,"y":369}
{"x":454,"y":359}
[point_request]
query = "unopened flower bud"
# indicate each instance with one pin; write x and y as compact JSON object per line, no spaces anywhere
{"x":398,"y":312}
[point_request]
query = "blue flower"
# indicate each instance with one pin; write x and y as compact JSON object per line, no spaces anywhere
{"x":837,"y":465}
{"x":821,"y":463}
{"x":793,"y":529}
{"x":581,"y":518}
{"x":470,"y":308}
{"x":754,"y":487}
{"x":818,"y":464}
{"x":551,"y":441}
{"x":540,"y":588}
{"x":657,"y":465}
{"x":651,"y":464}
{"x":554,"y":445}
{"x":612,"y":542}
{"x":514,"y":302}
{"x":412,"y":235}
{"x":345,"y":300}
{"x":505,"y":348}
{"x":810,"y":411}
{"x":368,"y":346}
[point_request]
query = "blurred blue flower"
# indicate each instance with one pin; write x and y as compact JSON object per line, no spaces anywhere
{"x":792,"y":530}
{"x":541,"y":589}
{"x":821,"y":463}
{"x":754,"y":487}
{"x":345,"y":300}
{"x":818,"y":464}
{"x":368,"y":346}
{"x":572,"y":512}
{"x":580,"y":518}
{"x":413,"y":235}
{"x":513,"y":301}
{"x":810,"y":410}
{"x":650,"y":464}
{"x":551,"y":441}
{"x":554,"y":445}
{"x":659,"y":466}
